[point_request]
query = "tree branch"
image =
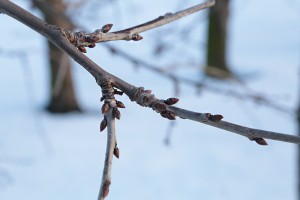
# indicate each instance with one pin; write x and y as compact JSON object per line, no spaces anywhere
{"x":81,"y":39}
{"x":110,"y":147}
{"x":134,"y":93}
{"x":109,"y":82}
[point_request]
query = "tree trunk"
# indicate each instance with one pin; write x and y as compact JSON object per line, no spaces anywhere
{"x":62,"y":95}
{"x":216,"y":63}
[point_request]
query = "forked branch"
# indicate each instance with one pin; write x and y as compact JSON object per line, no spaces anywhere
{"x":82,"y":39}
{"x":109,"y":83}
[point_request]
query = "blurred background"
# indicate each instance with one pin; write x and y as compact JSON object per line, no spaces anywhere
{"x":240,"y":59}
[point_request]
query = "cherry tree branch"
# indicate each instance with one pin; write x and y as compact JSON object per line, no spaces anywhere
{"x":176,"y":79}
{"x":109,"y":83}
{"x":111,"y":143}
{"x":82,"y":39}
{"x":134,"y":93}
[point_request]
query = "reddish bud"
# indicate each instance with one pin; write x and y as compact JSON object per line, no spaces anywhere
{"x":137,"y":37}
{"x":105,"y":188}
{"x":214,"y":118}
{"x":260,"y":141}
{"x":117,"y":114}
{"x":105,"y":192}
{"x":117,"y":152}
{"x":168,"y":114}
{"x":82,"y":49}
{"x":106,"y":28}
{"x":120,"y":104}
{"x":103,"y":124}
{"x":92,"y":45}
{"x":171,"y":101}
{"x":105,"y":108}
{"x":148,"y":91}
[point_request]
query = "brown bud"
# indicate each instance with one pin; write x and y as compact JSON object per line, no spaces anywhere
{"x":214,"y":118}
{"x":105,"y":188}
{"x":105,"y":192}
{"x":105,"y":108}
{"x":117,"y":152}
{"x":148,"y":91}
{"x":116,"y":113}
{"x":171,"y":101}
{"x":137,"y":37}
{"x":168,"y":114}
{"x":92,"y":45}
{"x":103,"y":124}
{"x":260,"y":141}
{"x":120,"y":104}
{"x":106,"y":28}
{"x":82,"y":49}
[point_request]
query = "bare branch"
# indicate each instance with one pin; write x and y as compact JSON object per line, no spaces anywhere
{"x":110,"y":147}
{"x":198,"y":84}
{"x":135,"y":94}
{"x":250,"y":133}
{"x":82,"y":39}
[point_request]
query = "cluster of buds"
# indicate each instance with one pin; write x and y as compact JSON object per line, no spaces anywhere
{"x":161,"y":107}
{"x":115,"y":112}
{"x":82,"y":40}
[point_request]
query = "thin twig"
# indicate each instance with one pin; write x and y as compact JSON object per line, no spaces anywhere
{"x":82,"y":39}
{"x":250,"y":133}
{"x":111,"y":144}
{"x":198,"y":84}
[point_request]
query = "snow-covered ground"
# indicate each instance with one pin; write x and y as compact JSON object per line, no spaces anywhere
{"x":45,"y":156}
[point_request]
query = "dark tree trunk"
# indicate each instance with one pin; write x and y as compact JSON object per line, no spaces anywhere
{"x":216,"y":63}
{"x":62,"y":95}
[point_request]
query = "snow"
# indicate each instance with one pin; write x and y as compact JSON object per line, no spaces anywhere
{"x":61,"y":156}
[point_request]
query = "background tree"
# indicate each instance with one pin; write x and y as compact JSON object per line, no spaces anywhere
{"x":217,"y":30}
{"x":62,"y":96}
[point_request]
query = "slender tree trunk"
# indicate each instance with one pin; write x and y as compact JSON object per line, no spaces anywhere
{"x":216,"y":63}
{"x":62,"y":95}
